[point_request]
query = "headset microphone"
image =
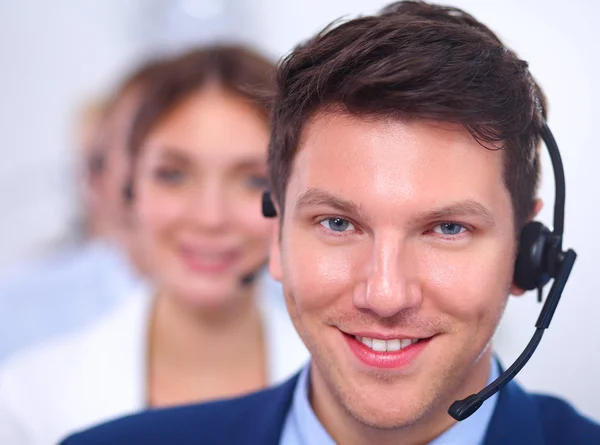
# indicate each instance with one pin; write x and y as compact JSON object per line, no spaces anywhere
{"x":248,"y":279}
{"x":540,"y":258}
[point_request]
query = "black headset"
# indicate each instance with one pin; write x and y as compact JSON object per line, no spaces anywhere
{"x":540,"y":258}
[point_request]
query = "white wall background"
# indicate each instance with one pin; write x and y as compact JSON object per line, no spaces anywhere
{"x":51,"y":55}
{"x":54,"y":54}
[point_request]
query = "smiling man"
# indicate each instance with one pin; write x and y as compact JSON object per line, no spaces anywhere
{"x":396,"y":253}
{"x":404,"y":162}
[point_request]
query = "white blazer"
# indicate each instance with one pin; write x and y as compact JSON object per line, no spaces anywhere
{"x":98,"y":374}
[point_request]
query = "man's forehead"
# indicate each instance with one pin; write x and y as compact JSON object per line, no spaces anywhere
{"x":344,"y":138}
{"x":340,"y":117}
{"x":393,"y":161}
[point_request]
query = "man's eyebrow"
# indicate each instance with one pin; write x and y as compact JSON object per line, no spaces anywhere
{"x":318,"y":197}
{"x":468,"y":207}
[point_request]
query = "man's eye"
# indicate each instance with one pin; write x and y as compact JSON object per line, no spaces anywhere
{"x":449,"y":229}
{"x":337,"y":224}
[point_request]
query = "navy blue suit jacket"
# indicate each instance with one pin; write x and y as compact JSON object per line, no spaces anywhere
{"x":258,"y":419}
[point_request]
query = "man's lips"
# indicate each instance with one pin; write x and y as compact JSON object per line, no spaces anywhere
{"x":386,"y":350}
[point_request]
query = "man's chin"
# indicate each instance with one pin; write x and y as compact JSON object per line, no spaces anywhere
{"x":388,"y":416}
{"x":376,"y":406}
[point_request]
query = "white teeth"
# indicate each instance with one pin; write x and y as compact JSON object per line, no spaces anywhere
{"x":392,"y":345}
{"x":379,"y":345}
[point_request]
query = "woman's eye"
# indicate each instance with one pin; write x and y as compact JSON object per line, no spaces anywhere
{"x":337,"y":224}
{"x":449,"y":229}
{"x":169,"y":175}
{"x":257,"y":182}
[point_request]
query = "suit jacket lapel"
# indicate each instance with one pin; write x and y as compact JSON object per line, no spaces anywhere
{"x":516,"y":419}
{"x":261,"y":420}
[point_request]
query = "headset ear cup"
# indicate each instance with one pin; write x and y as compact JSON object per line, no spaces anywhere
{"x":531,"y":265}
{"x":268,"y":208}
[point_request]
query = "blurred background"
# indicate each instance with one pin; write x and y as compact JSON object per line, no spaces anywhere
{"x":58,"y":57}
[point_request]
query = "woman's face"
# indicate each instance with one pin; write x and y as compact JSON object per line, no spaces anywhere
{"x":198,"y":185}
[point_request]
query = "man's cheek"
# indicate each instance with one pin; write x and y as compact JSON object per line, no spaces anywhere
{"x":319,"y":276}
{"x":463,"y":285}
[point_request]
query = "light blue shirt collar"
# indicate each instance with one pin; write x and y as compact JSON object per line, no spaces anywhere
{"x":303,"y":428}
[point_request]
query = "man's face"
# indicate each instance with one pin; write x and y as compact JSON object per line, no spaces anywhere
{"x":394,"y":232}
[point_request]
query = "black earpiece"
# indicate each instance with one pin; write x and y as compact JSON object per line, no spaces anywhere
{"x":532,"y":263}
{"x":268,"y":208}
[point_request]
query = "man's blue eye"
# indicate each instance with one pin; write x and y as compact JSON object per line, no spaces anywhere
{"x":337,"y":224}
{"x":449,"y":229}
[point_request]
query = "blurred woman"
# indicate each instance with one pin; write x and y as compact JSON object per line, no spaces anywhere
{"x":209,"y":329}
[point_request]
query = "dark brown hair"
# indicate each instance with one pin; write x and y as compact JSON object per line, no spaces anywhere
{"x":236,"y":69}
{"x":414,"y":60}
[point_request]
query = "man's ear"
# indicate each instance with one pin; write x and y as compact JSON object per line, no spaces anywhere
{"x":537,"y":207}
{"x":275,"y":268}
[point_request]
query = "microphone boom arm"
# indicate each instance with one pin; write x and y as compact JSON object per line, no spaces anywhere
{"x":461,"y":409}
